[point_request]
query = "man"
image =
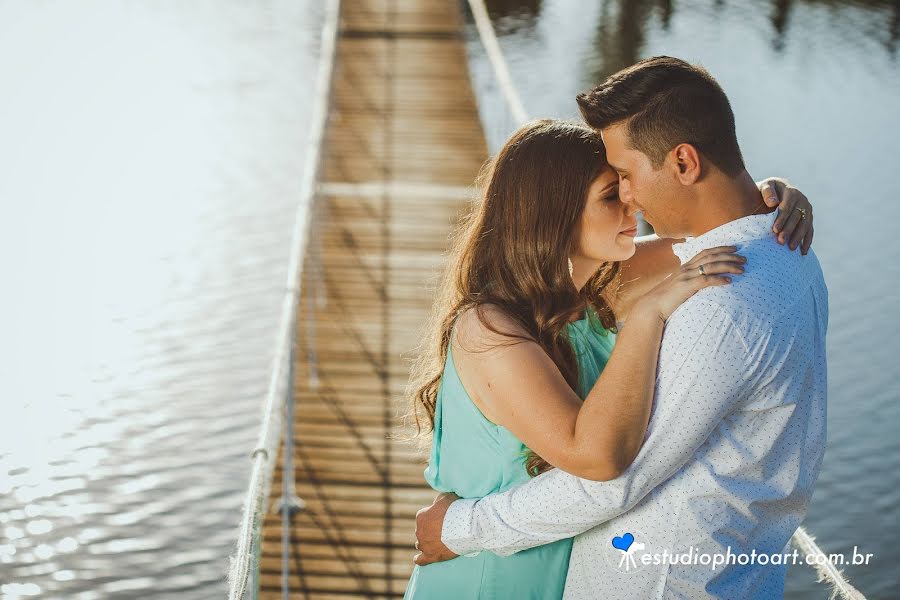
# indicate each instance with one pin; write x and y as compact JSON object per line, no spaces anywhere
{"x":737,"y":433}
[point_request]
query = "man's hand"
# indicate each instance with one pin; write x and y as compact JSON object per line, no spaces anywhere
{"x":429,"y":523}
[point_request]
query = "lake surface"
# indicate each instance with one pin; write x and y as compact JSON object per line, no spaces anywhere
{"x":151,"y":160}
{"x":815,"y":87}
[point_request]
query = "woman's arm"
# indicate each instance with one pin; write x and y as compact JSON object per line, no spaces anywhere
{"x":521,"y":388}
{"x":654,"y":260}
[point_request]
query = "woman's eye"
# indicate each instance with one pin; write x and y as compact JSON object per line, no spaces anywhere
{"x":611,"y":197}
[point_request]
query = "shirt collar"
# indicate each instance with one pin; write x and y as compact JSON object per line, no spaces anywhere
{"x":754,"y":227}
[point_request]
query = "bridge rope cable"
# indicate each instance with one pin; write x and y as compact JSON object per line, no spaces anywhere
{"x":244,"y":561}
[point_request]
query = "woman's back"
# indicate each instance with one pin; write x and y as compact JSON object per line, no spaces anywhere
{"x":473,"y":457}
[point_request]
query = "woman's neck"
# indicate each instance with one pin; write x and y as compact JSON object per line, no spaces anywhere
{"x":582,"y":270}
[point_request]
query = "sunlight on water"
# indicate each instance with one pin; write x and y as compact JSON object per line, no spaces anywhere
{"x":151,"y":156}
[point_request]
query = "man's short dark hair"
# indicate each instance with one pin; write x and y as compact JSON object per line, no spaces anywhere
{"x":667,"y":101}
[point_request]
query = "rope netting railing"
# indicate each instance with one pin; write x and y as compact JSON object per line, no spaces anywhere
{"x":244,"y":562}
{"x":513,"y":117}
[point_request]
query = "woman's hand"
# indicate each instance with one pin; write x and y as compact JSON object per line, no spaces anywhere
{"x":789,"y":226}
{"x":708,"y":268}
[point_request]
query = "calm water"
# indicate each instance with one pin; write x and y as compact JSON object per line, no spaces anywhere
{"x":815,"y":87}
{"x":149,"y":168}
{"x":150,"y":157}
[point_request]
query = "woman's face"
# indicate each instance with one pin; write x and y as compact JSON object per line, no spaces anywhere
{"x":608,"y":225}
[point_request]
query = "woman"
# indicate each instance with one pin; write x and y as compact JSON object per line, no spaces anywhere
{"x":525,"y":322}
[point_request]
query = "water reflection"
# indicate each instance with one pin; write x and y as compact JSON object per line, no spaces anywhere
{"x":621,"y":31}
{"x":814,"y":85}
{"x":622,"y":25}
{"x":150,"y":155}
{"x":510,"y":16}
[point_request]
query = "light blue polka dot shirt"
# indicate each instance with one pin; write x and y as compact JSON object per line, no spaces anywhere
{"x":735,"y":442}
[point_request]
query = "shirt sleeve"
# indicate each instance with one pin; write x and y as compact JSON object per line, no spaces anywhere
{"x":701,"y":378}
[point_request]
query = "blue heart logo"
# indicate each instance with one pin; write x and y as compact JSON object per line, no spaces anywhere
{"x":623,"y":543}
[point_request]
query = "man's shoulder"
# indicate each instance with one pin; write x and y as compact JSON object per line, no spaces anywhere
{"x":706,"y":314}
{"x":775,"y":279}
{"x":750,"y":313}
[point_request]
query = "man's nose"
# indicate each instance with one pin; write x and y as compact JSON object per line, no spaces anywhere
{"x":625,"y":192}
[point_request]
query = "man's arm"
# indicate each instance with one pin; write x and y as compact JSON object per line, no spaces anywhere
{"x":701,"y":380}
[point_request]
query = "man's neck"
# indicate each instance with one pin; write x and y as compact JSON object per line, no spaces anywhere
{"x":725,"y":199}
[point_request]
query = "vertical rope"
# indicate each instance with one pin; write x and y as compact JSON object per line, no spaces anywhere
{"x":286,"y":481}
{"x":263,"y":455}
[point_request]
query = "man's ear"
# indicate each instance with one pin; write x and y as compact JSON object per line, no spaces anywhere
{"x":686,"y":162}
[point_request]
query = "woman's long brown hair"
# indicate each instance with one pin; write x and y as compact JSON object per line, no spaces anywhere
{"x":511,"y":250}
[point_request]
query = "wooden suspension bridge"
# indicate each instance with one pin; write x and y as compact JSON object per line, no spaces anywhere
{"x":401,"y":149}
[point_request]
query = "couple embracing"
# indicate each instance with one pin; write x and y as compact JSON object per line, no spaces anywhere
{"x":597,"y":401}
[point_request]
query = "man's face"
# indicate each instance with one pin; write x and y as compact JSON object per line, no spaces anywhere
{"x":648,"y":190}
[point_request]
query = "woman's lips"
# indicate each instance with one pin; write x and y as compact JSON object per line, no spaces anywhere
{"x":630,"y":232}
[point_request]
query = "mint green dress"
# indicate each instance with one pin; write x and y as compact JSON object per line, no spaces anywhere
{"x":473,"y":457}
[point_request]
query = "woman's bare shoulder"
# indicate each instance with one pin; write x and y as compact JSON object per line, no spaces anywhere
{"x":474,"y":328}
